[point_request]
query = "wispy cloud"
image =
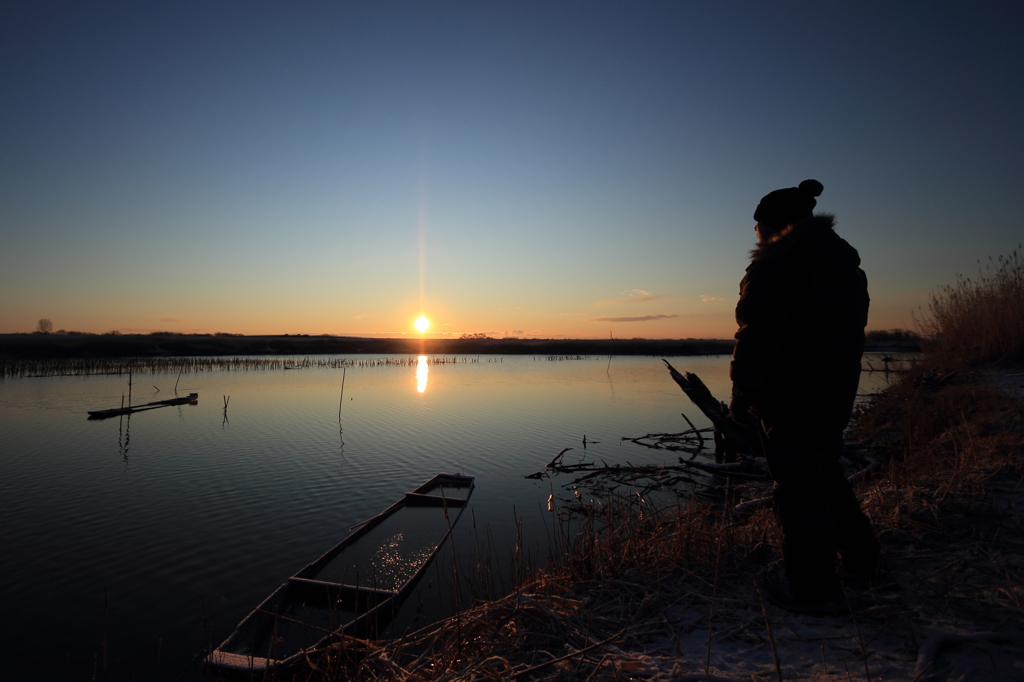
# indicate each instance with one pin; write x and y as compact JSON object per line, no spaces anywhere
{"x":642,"y":318}
{"x":630,"y":297}
{"x":711,"y":299}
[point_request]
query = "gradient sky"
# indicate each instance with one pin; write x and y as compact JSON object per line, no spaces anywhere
{"x":538,"y":169}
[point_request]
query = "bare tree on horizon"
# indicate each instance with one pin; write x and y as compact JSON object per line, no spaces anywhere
{"x":44,"y":326}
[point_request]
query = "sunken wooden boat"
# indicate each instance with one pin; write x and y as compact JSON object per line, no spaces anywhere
{"x":355,"y":588}
{"x":190,"y":399}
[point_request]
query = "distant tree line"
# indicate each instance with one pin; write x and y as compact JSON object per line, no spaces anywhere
{"x":45,"y":326}
{"x":892,"y":336}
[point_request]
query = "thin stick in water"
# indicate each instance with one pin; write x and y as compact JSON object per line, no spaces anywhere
{"x":341,"y":401}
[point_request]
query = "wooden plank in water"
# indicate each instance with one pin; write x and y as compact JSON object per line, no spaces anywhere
{"x":421,"y":500}
{"x":192,"y":398}
{"x":342,"y":590}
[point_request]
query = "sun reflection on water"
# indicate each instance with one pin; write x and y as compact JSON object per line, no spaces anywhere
{"x":396,"y":560}
{"x":421,"y":373}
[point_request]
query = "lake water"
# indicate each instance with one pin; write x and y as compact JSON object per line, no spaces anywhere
{"x":142,"y":538}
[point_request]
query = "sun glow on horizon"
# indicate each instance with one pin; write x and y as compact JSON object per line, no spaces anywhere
{"x":422,"y":324}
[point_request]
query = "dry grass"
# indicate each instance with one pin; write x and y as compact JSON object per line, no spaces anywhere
{"x":979,"y":320}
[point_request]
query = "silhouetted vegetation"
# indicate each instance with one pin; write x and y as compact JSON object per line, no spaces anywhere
{"x":979,"y":320}
{"x":51,"y":346}
{"x":893,"y":336}
{"x":36,"y":367}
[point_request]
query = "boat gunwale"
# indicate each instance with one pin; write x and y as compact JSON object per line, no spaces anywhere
{"x":225,"y":661}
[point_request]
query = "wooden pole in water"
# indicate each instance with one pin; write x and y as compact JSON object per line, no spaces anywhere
{"x":341,"y":401}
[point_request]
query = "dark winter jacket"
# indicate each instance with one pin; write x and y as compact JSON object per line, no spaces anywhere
{"x":802,"y":311}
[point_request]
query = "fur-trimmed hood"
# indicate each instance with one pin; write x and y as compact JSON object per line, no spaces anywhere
{"x":802,"y":311}
{"x":812,"y":238}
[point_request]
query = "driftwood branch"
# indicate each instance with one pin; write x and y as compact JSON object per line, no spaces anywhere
{"x":755,"y":470}
{"x":691,"y":441}
{"x":556,"y":464}
{"x":700,"y":438}
{"x":697,"y":392}
{"x":554,"y":460}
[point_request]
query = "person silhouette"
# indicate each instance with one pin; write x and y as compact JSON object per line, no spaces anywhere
{"x":801,"y":315}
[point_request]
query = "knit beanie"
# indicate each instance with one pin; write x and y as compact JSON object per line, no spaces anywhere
{"x":786,"y":206}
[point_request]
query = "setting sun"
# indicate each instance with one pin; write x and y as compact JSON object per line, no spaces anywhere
{"x":422,"y":324}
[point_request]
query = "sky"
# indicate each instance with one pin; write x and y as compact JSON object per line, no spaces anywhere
{"x":535,"y":169}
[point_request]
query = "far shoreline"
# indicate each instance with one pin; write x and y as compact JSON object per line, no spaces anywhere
{"x":47,"y":346}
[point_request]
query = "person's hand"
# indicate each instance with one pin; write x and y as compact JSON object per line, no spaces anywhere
{"x":739,"y":408}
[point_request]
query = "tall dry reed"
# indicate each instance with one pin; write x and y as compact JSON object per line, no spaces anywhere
{"x":982,"y":319}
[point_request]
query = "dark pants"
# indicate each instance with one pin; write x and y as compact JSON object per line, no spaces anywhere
{"x":816,"y":509}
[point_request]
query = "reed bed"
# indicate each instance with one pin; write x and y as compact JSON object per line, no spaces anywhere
{"x":982,"y":319}
{"x":190,"y":365}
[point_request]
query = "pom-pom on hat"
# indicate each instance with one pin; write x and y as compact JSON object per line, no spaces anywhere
{"x":786,"y":206}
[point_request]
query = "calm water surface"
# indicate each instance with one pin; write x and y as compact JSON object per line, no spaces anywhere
{"x":173,"y":523}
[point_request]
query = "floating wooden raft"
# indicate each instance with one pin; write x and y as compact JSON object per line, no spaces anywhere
{"x":191,"y":398}
{"x":353,"y":589}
